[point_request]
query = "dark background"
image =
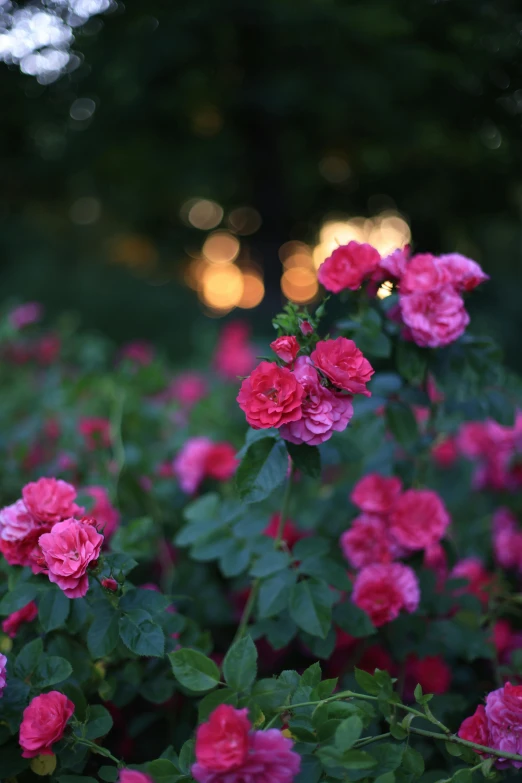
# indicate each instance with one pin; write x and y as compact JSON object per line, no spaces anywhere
{"x":240,"y":102}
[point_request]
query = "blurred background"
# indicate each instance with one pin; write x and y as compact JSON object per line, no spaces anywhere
{"x":168,"y":166}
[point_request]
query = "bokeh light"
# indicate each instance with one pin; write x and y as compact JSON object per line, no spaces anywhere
{"x":201,"y":213}
{"x":385,"y":232}
{"x":253,"y":289}
{"x":221,"y":247}
{"x":384,"y":290}
{"x":222,"y":286}
{"x":299,"y":284}
{"x":244,"y":220}
{"x":85,"y":210}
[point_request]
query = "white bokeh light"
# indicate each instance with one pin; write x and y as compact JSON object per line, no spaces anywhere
{"x":38,"y":38}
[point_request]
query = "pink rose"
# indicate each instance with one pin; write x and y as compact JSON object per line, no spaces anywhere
{"x":235,"y":355}
{"x":16,"y":522}
{"x":69,"y":549}
{"x":138,"y":352}
{"x":270,"y":396}
{"x":445,"y":453}
{"x":50,"y":500}
{"x":480,"y":580}
{"x":418,"y":519}
{"x":504,"y":717}
{"x":221,"y":462}
{"x":423,"y":273}
{"x":431,"y":672}
{"x":227,"y":751}
{"x":3,"y":667}
{"x":394,"y":265}
{"x":13,"y":622}
{"x":343,"y":364}
{"x":306,"y":328}
{"x":188,"y":388}
{"x":383,"y":589}
{"x":367,"y":542}
{"x":44,"y":723}
{"x":25,"y":314}
{"x":464,"y":273}
{"x":376,"y":494}
{"x":200,"y":458}
{"x":348,"y":267}
{"x":133,"y":776}
{"x":475,"y":728}
{"x":26,"y":551}
{"x":285,"y":348}
{"x":323,"y":411}
{"x":434,"y":318}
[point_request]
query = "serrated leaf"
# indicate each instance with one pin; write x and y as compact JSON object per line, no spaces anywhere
{"x":274,"y":593}
{"x":51,"y":670}
{"x":307,"y":459}
{"x":141,"y":635}
{"x":240,"y":664}
{"x":53,"y":609}
{"x":194,"y":670}
{"x":349,"y":731}
{"x":311,"y":607}
{"x":28,"y":659}
{"x":262,"y":469}
{"x":270,"y":563}
{"x":99,"y":722}
{"x":367,"y":682}
{"x":103,"y":633}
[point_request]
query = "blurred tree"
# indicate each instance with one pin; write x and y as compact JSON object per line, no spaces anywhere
{"x":297,"y":110}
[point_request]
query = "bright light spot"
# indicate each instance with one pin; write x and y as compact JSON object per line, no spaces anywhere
{"x":299,"y":284}
{"x":82,"y":109}
{"x":207,"y":121}
{"x":222,"y":286}
{"x":39,"y":41}
{"x":334,"y":168}
{"x":85,"y":210}
{"x":194,"y":272}
{"x":385,"y":232}
{"x":201,"y":213}
{"x":253,"y":290}
{"x":386,"y":289}
{"x":244,"y":220}
{"x":221,"y":247}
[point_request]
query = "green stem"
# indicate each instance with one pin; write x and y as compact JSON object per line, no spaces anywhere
{"x":98,"y":749}
{"x":249,"y":606}
{"x":368,"y":740}
{"x":502,"y":754}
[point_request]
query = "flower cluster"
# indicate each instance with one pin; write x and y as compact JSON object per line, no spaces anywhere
{"x":393,"y":524}
{"x":41,"y":531}
{"x":228,"y":751}
{"x":498,"y":725}
{"x":496,"y":449}
{"x":431,"y":307}
{"x":311,"y":398}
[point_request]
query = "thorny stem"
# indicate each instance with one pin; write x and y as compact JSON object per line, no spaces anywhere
{"x":249,"y":606}
{"x":446,"y":737}
{"x":368,"y":740}
{"x":98,"y":749}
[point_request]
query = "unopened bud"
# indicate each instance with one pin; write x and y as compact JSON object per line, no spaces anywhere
{"x":306,"y":328}
{"x":110,"y":584}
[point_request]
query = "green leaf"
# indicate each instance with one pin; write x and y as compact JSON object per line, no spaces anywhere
{"x":110,"y":774}
{"x":388,"y":756}
{"x":51,"y":670}
{"x":240,"y":664}
{"x":349,"y":731}
{"x":412,"y":761}
{"x":327,"y":569}
{"x":353,"y":620}
{"x":401,"y":422}
{"x":262,"y":469}
{"x":274,"y":593}
{"x":312,"y":675}
{"x":28,"y":659}
{"x":53,"y":609}
{"x":367,"y":682}
{"x":453,"y":750}
{"x":270,"y":563}
{"x":194,"y":670}
{"x":103,"y":634}
{"x":141,"y":635}
{"x":311,"y":607}
{"x":388,"y":777}
{"x":187,"y":756}
{"x":149,"y":600}
{"x":312,"y":546}
{"x":17,"y":598}
{"x":235,"y":560}
{"x":307,"y":459}
{"x":163,"y":771}
{"x":411,"y":362}
{"x":99,"y":722}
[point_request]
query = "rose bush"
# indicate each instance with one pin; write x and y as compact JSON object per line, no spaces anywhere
{"x":329,"y":594}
